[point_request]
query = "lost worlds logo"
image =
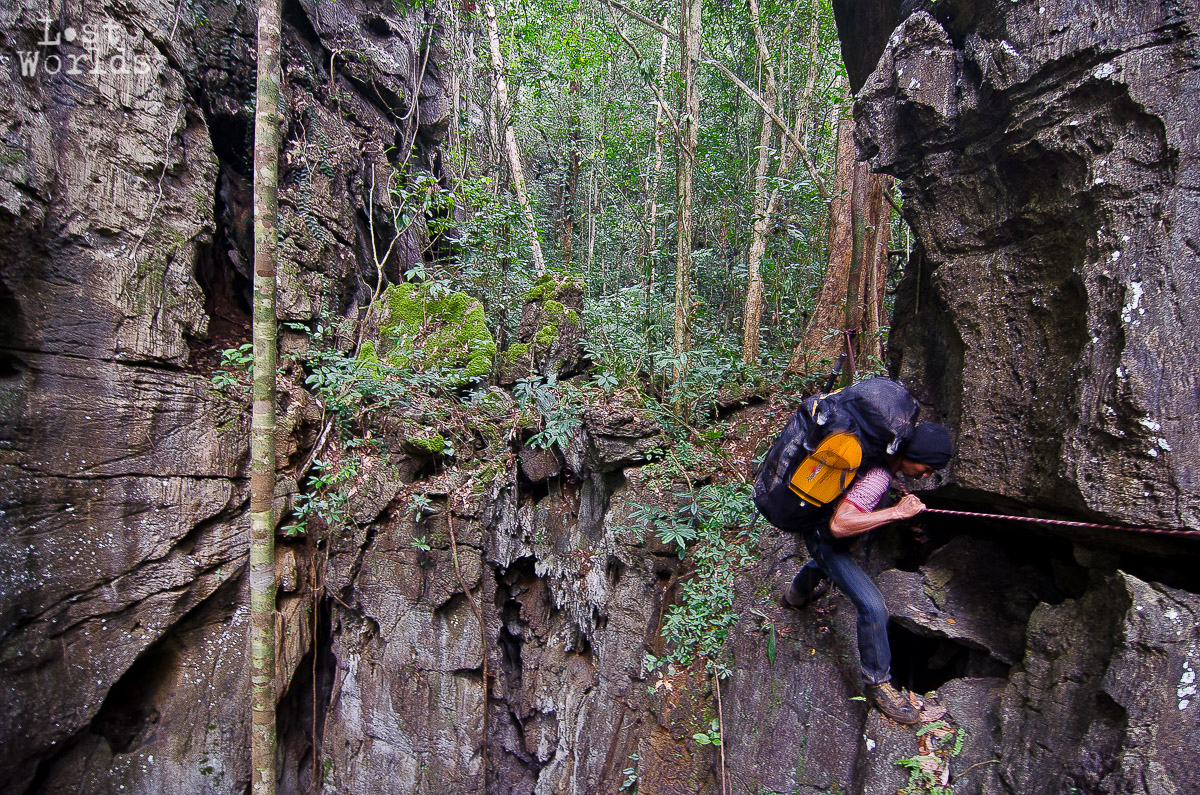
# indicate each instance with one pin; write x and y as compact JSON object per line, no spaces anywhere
{"x":93,"y":48}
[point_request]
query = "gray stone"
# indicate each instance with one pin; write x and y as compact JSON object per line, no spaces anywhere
{"x":1052,"y":192}
{"x":125,"y":227}
{"x":1104,"y":698}
{"x":612,"y":437}
{"x":970,"y":592}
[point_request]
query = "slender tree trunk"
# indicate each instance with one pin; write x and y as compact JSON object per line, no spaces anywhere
{"x":572,"y":188}
{"x":821,"y":340}
{"x":875,"y":269}
{"x":689,"y":44}
{"x":650,"y":182}
{"x":810,"y":81}
{"x":510,"y":138}
{"x":593,"y":211}
{"x":752,"y":315}
{"x":262,"y":427}
{"x":495,"y":138}
{"x":599,"y":183}
{"x":456,"y":80}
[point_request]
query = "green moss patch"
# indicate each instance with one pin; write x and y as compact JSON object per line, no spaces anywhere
{"x":551,"y":286}
{"x":433,"y":444}
{"x":423,"y":332}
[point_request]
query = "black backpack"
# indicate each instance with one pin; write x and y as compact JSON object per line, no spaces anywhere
{"x":879,"y":413}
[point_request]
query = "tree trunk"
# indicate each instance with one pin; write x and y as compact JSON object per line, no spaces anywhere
{"x":822,"y":339}
{"x":262,"y":427}
{"x":510,"y":139}
{"x":689,"y":44}
{"x":650,"y":183}
{"x":752,"y":314}
{"x":572,"y":187}
{"x":875,"y":270}
{"x":810,"y":81}
{"x":849,"y":294}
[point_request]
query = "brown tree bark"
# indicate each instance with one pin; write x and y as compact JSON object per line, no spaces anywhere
{"x":875,"y":271}
{"x":856,"y":220}
{"x":829,"y":315}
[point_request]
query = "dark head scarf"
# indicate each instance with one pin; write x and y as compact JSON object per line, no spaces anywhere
{"x":929,"y":444}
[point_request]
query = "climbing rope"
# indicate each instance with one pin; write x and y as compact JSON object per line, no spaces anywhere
{"x":1061,"y":522}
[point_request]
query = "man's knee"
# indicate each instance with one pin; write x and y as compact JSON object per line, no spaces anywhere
{"x":874,"y":610}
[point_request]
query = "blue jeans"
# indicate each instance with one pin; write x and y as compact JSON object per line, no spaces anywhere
{"x":831,"y":559}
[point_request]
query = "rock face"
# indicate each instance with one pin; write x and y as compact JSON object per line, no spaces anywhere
{"x":1113,"y":673}
{"x":124,"y":232}
{"x":1049,"y":161}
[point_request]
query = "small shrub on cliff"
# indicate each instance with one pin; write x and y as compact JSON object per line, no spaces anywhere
{"x":710,"y":528}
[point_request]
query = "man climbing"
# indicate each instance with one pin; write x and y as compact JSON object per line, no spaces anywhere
{"x":829,"y":537}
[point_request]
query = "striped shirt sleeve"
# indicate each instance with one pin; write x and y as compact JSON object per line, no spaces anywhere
{"x":869,"y":489}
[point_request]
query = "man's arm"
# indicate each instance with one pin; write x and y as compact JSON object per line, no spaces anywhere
{"x":850,"y":520}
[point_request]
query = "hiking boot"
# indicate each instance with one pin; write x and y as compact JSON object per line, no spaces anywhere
{"x":892,"y":703}
{"x":798,"y":601}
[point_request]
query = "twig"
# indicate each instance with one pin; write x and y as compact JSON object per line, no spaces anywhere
{"x":720,"y":728}
{"x":887,"y":194}
{"x":161,"y":177}
{"x":175,"y":23}
{"x":482,"y":631}
{"x":972,"y":767}
{"x":300,"y":473}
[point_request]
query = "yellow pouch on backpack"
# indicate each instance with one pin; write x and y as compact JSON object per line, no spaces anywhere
{"x":826,"y":472}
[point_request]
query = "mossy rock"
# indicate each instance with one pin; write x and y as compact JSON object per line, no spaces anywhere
{"x":423,"y":332}
{"x":430,"y":444}
{"x":548,"y":338}
{"x":513,"y":355}
{"x":552,"y":286}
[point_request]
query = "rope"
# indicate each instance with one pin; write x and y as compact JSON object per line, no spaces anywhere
{"x":1061,"y":522}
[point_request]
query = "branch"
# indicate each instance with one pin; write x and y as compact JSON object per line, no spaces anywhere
{"x":662,"y":103}
{"x":747,"y":90}
{"x":887,"y":194}
{"x":783,"y":125}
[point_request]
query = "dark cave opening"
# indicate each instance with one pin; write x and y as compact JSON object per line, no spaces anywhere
{"x":510,"y":649}
{"x":511,"y":584}
{"x":303,"y":709}
{"x":922,"y":663}
{"x":11,"y":366}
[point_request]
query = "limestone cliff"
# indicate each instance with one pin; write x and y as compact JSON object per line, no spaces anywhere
{"x":1049,"y":161}
{"x":125,"y":135}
